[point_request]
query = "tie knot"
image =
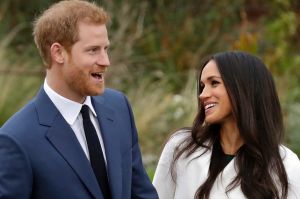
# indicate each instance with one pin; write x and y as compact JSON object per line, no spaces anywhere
{"x":85,"y":111}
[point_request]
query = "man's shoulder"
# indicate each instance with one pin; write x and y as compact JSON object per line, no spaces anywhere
{"x":113,"y":99}
{"x":22,"y":120}
{"x":111,"y":96}
{"x":26,"y":120}
{"x":109,"y":92}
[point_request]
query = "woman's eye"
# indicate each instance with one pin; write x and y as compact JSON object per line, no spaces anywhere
{"x":201,"y":87}
{"x":214,"y":83}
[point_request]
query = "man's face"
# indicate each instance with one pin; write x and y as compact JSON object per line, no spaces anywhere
{"x":85,"y":65}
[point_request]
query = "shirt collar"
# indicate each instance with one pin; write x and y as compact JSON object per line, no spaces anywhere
{"x":68,"y":108}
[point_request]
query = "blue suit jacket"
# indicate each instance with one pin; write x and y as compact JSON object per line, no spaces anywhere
{"x":40,"y":156}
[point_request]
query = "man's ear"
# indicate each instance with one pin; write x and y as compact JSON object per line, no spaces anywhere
{"x":57,"y":53}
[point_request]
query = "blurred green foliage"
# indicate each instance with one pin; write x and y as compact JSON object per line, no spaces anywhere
{"x":156,"y":47}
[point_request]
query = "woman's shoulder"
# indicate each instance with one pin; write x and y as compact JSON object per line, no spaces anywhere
{"x":179,"y":136}
{"x":176,"y":140}
{"x":290,"y":159}
{"x":182,"y":138}
{"x":287,"y":154}
{"x":292,"y":167}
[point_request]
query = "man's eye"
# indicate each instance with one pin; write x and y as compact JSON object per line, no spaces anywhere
{"x":93,"y":50}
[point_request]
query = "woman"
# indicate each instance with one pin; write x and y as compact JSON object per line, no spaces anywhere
{"x":233,"y":150}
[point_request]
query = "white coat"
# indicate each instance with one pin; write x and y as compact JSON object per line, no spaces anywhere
{"x":192,"y":173}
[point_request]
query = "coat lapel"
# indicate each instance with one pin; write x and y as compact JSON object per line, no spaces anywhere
{"x":109,"y":132}
{"x":62,"y":137}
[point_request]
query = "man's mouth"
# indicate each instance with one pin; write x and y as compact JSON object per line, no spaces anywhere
{"x":98,"y":76}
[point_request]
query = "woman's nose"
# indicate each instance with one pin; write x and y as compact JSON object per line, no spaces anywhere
{"x":205,"y":93}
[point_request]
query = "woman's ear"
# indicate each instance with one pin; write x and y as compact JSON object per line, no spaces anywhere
{"x":57,"y":53}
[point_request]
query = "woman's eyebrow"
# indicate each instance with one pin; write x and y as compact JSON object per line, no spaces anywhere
{"x":211,"y":77}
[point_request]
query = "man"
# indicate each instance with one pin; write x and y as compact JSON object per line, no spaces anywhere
{"x":48,"y":150}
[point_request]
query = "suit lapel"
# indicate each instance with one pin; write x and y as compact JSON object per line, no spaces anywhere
{"x":109,"y":132}
{"x":62,"y":137}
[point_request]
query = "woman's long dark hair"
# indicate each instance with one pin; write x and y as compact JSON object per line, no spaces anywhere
{"x":256,"y":109}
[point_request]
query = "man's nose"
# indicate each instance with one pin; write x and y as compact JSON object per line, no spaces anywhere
{"x":103,"y":59}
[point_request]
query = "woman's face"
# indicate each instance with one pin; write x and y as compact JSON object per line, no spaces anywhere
{"x":214,"y":98}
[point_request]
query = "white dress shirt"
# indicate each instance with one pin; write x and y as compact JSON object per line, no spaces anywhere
{"x":70,"y":111}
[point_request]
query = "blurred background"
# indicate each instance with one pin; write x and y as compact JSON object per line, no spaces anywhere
{"x":156,"y":46}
